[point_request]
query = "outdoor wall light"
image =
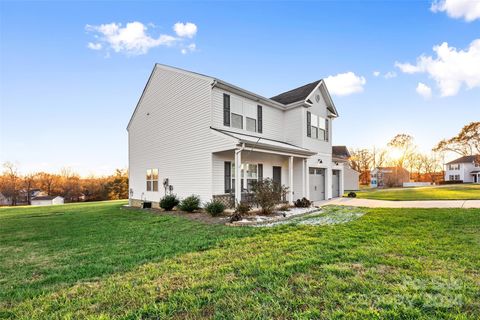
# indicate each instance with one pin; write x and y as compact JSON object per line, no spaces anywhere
{"x":320,"y":161}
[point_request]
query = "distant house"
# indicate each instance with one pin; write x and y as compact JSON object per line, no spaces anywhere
{"x":47,"y":200}
{"x":350,"y":176}
{"x":4,"y":201}
{"x":466,"y":169}
{"x":387,"y":177}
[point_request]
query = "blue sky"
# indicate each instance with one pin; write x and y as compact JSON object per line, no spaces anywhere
{"x":64,"y":104}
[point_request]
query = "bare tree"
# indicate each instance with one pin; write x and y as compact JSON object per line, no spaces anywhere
{"x":361,"y":160}
{"x":466,"y":142}
{"x":10,"y":183}
{"x":404,"y":143}
{"x":29,"y":182}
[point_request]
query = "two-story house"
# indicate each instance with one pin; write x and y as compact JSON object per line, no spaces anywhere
{"x":211,"y":138}
{"x":466,"y":169}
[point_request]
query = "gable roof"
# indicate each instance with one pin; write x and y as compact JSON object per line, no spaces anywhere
{"x":340,"y":152}
{"x":279,"y":101}
{"x":466,"y":159}
{"x":297,"y":94}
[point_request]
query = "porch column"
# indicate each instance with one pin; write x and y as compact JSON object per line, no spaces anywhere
{"x":290,"y":179}
{"x":304,"y":178}
{"x":307,"y":181}
{"x":238,"y":176}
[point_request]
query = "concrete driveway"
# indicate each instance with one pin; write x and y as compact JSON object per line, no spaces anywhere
{"x":370,"y":203}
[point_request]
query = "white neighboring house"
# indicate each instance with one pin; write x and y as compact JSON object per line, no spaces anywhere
{"x":46,"y":200}
{"x":201,"y":133}
{"x":466,"y":169}
{"x":351,"y":177}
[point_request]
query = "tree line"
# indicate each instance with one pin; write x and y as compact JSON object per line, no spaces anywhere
{"x":401,"y":151}
{"x":16,"y":188}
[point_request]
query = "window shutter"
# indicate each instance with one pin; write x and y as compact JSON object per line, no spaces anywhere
{"x":260,"y":172}
{"x":309,"y":124}
{"x":259,"y":119}
{"x":327,"y":134}
{"x":226,"y":110}
{"x":228,"y":174}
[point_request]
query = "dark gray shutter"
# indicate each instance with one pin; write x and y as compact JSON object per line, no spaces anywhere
{"x":260,"y":119}
{"x":309,"y":124}
{"x":226,"y":110}
{"x":260,"y":172}
{"x":326,"y":129}
{"x":228,"y":174}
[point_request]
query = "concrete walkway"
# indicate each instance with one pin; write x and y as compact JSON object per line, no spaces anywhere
{"x":370,"y":203}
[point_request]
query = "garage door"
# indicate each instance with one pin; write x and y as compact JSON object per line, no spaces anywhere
{"x":336,"y":183}
{"x":317,"y":184}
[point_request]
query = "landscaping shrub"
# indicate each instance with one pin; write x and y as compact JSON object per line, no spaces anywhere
{"x":284,"y":207}
{"x":268,"y":194}
{"x":190,"y":204}
{"x":303,"y":203}
{"x":215,"y":208}
{"x":241,"y":210}
{"x":352,"y":194}
{"x":169,"y":202}
{"x":451,"y":182}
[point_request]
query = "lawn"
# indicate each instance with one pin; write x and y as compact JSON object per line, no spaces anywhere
{"x":97,"y":261}
{"x":446,"y":192}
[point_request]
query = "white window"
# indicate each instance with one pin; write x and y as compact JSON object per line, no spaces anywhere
{"x":242,"y":110}
{"x":251,"y":124}
{"x":249,"y":175}
{"x":457,"y":177}
{"x":318,"y":127}
{"x":237,"y":121}
{"x":152,"y":179}
{"x":454,"y":166}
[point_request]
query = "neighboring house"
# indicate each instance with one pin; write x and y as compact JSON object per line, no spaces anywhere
{"x":46,"y":200}
{"x":466,"y":169}
{"x":4,"y":201}
{"x":387,"y":177}
{"x":350,"y":176}
{"x":201,"y":133}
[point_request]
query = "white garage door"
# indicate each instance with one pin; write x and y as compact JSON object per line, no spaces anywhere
{"x":317,"y":184}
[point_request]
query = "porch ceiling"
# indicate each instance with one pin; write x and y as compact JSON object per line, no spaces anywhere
{"x":257,"y":143}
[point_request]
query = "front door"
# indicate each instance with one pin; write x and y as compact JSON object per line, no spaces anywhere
{"x":317,"y":184}
{"x":336,"y":183}
{"x":277,"y":175}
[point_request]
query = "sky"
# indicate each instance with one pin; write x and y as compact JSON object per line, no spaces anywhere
{"x":72,"y":73}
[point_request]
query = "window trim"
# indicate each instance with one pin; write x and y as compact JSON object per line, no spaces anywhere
{"x":151,"y":183}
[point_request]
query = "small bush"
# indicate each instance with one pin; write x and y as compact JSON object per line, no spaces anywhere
{"x":352,"y":194}
{"x":190,"y":204}
{"x":303,"y":203}
{"x":450,"y":182}
{"x":215,"y":208}
{"x":284,"y":207}
{"x":241,"y":210}
{"x":268,"y":194}
{"x":169,"y":202}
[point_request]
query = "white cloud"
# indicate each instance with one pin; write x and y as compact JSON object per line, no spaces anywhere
{"x":94,"y":46}
{"x":451,"y":68}
{"x":134,"y":39}
{"x":344,"y":84}
{"x":187,"y":30}
{"x":466,"y":9}
{"x":390,"y":75}
{"x":190,"y":48}
{"x":424,"y":90}
{"x":376,"y":73}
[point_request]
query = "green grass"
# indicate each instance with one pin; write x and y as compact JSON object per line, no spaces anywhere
{"x":447,"y":192}
{"x":390,"y":263}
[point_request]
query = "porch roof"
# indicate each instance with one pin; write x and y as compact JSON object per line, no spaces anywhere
{"x":475,"y":172}
{"x":265,"y":143}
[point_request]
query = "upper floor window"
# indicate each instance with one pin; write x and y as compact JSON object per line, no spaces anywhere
{"x":152,"y":179}
{"x":239,"y":113}
{"x":455,"y":166}
{"x":317,"y":127}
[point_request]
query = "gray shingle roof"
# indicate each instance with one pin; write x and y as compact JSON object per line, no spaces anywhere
{"x":340,"y":152}
{"x":466,"y":159}
{"x":297,"y":94}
